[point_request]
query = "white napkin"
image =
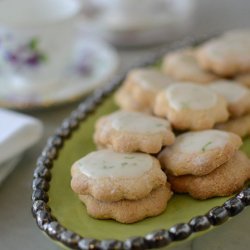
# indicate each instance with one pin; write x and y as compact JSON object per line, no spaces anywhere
{"x":7,"y":167}
{"x":17,"y":133}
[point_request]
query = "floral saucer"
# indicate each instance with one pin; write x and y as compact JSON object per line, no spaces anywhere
{"x":93,"y":63}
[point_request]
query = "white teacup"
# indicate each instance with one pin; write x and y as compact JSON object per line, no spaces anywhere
{"x":36,"y":40}
{"x":133,"y":13}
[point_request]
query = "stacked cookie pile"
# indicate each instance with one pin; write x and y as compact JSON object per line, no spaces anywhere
{"x":198,"y":92}
{"x":206,"y":164}
{"x":221,"y":64}
{"x":205,"y":92}
{"x":123,"y":181}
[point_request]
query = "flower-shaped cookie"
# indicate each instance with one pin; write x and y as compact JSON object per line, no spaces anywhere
{"x":223,"y":181}
{"x":239,"y":125}
{"x":125,"y":131}
{"x":140,"y":88}
{"x":191,"y":106}
{"x":112,"y":176}
{"x":227,"y":55}
{"x":183,"y":66}
{"x":236,"y":95}
{"x":129,"y":211}
{"x":199,"y":153}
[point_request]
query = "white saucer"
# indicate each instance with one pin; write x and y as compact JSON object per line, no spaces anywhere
{"x":100,"y":61}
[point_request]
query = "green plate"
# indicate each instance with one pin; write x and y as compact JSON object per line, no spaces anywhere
{"x":71,"y":213}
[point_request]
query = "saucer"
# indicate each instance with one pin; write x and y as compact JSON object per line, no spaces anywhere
{"x":93,"y":63}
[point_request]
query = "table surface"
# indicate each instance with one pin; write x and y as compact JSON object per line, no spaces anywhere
{"x":18,"y":229}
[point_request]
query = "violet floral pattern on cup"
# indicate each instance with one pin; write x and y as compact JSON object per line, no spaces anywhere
{"x":28,"y":54}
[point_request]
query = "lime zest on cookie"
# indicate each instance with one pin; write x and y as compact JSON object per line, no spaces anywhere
{"x":107,"y":167}
{"x":129,"y":157}
{"x":204,"y":148}
{"x":160,"y":125}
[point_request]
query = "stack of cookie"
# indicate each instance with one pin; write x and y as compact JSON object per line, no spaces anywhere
{"x":196,"y":91}
{"x":221,"y":64}
{"x":205,"y":89}
{"x":206,"y":164}
{"x":119,"y":182}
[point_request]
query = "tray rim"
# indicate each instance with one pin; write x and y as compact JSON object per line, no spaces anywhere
{"x":159,"y":238}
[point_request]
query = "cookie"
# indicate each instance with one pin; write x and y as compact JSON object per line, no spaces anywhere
{"x":239,"y":125}
{"x":244,"y":79}
{"x":111,"y":176}
{"x":127,"y":211}
{"x":223,"y":181}
{"x":199,"y":153}
{"x":125,"y":131}
{"x":140,"y":88}
{"x":183,"y":66}
{"x":236,"y":95}
{"x":126,"y":101}
{"x":226,"y":56}
{"x":191,"y":106}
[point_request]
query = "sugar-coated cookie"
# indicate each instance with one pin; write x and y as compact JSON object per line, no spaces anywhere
{"x":227,"y":55}
{"x":199,"y":153}
{"x":236,"y":95}
{"x":111,"y":176}
{"x":191,"y":106}
{"x":125,"y":131}
{"x":140,"y":88}
{"x":239,"y":125}
{"x":223,"y":181}
{"x":127,"y":211}
{"x":182,"y":65}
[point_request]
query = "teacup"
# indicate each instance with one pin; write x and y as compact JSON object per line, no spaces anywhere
{"x":36,"y":40}
{"x":135,"y":23}
{"x":134,"y":13}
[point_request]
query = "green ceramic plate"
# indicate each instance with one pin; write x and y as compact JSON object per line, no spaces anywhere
{"x":71,"y":213}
